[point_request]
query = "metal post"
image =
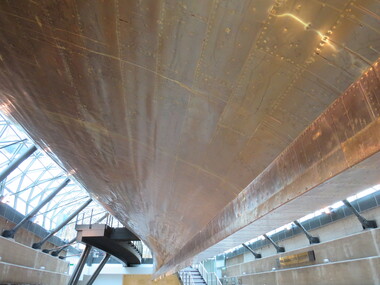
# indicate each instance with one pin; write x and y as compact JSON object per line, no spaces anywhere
{"x":308,"y":235}
{"x":100,"y":267}
{"x":11,"y":233}
{"x":92,"y":211}
{"x":366,"y":224}
{"x":257,"y":255}
{"x":78,"y":269}
{"x":38,"y":245}
{"x":14,"y":164}
{"x":278,"y":248}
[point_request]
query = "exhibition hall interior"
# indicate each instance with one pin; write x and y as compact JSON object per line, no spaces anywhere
{"x":189,"y":142}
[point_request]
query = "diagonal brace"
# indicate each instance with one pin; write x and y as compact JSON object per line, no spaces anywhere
{"x":11,"y":233}
{"x":366,"y":224}
{"x":100,"y":267}
{"x":14,"y":164}
{"x":257,"y":255}
{"x":79,"y":268}
{"x":38,"y":245}
{"x":278,"y":248}
{"x":311,"y":238}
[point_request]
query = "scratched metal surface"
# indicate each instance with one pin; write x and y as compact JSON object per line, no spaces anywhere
{"x":167,"y":110}
{"x":336,"y":156}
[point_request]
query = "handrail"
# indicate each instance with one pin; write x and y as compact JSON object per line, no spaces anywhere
{"x":186,"y":278}
{"x":209,"y":277}
{"x":138,"y":246}
{"x":218,"y":282}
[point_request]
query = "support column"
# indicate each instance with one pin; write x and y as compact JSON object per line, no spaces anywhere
{"x":78,"y":269}
{"x":308,"y":235}
{"x":38,"y":245}
{"x":14,"y":164}
{"x":12,"y":232}
{"x":278,"y":248}
{"x":366,"y":224}
{"x":257,"y":255}
{"x":100,"y":267}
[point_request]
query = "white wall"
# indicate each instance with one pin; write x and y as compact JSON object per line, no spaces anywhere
{"x":109,"y":279}
{"x":340,"y":228}
{"x":112,"y":274}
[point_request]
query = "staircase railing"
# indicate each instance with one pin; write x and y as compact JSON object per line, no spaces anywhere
{"x":138,"y":245}
{"x":209,"y":277}
{"x":186,"y":278}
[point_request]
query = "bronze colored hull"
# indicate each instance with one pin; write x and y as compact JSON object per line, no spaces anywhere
{"x":167,"y":110}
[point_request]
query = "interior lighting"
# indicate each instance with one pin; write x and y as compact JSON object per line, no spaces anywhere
{"x":307,"y":27}
{"x":6,"y":108}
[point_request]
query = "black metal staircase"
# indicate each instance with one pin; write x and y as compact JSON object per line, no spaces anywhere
{"x":115,"y":241}
{"x":119,"y":242}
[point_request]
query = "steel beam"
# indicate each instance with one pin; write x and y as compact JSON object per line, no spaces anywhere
{"x":308,"y":235}
{"x":16,"y":142}
{"x":11,"y":233}
{"x":38,"y":245}
{"x":100,"y":267}
{"x":57,"y":250}
{"x":257,"y":255}
{"x":278,"y":248}
{"x":78,"y":269}
{"x":366,"y":224}
{"x":15,"y":163}
{"x":102,"y":218}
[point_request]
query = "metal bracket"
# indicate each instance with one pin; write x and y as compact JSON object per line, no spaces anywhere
{"x":366,"y":224}
{"x":308,"y":235}
{"x":278,"y":248}
{"x":257,"y":255}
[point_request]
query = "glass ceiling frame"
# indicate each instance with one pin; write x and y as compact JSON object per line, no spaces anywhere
{"x":35,"y":179}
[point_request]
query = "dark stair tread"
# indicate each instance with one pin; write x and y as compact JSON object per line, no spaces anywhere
{"x":117,"y":244}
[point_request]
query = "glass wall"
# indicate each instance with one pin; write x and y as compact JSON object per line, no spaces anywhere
{"x":35,"y":179}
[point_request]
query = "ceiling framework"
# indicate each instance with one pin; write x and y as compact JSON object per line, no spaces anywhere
{"x":167,"y":110}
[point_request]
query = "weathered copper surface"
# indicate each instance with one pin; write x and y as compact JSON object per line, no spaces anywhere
{"x":344,"y":138}
{"x":167,"y":110}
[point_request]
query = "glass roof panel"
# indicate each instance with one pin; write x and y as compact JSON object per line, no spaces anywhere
{"x":35,"y":179}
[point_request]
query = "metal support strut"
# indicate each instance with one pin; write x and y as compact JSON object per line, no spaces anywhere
{"x":257,"y":255}
{"x":366,"y":224}
{"x":57,"y":250}
{"x":100,"y":267}
{"x":39,"y":244}
{"x":308,"y":235}
{"x":78,"y":269}
{"x":14,"y":164}
{"x":278,"y":248}
{"x":11,"y":233}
